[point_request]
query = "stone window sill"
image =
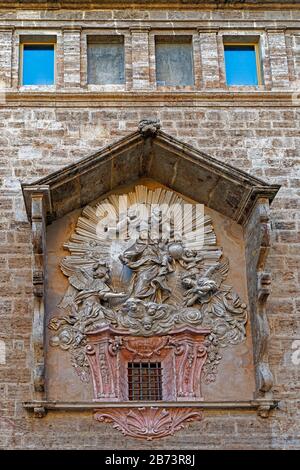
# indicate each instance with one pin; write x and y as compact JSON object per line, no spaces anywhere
{"x":121,"y":89}
{"x":37,"y":88}
{"x":105,"y":88}
{"x":235,"y":88}
{"x":175,"y":88}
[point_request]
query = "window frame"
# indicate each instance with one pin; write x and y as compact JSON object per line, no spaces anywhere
{"x":90,"y":38}
{"x":256,"y":45}
{"x":180,"y":38}
{"x":50,"y":42}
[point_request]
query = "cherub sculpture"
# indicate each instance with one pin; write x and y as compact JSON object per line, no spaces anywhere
{"x":191,"y":261}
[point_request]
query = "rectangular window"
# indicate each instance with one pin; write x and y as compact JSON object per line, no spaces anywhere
{"x":174,"y":61}
{"x":106,"y":65}
{"x":38,"y":64}
{"x":242,"y":64}
{"x":144,"y":381}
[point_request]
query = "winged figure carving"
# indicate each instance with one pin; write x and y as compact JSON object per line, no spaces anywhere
{"x":89,"y":282}
{"x":202,"y":287}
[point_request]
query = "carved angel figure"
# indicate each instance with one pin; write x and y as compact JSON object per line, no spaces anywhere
{"x":222,"y":309}
{"x":201,"y":288}
{"x":191,"y":261}
{"x":87,"y":283}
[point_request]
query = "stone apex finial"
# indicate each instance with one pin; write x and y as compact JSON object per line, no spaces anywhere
{"x":149,"y":127}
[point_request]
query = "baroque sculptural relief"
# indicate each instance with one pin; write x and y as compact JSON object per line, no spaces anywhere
{"x":153,"y":285}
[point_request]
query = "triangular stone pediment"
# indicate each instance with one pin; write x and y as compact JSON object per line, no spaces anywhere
{"x":151,"y":153}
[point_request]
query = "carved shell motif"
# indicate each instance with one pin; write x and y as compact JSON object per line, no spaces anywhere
{"x":148,"y":423}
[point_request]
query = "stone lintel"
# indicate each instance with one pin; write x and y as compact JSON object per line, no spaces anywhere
{"x":73,"y":28}
{"x":140,"y":29}
{"x":7,"y":29}
{"x":204,"y":29}
{"x":276,"y":29}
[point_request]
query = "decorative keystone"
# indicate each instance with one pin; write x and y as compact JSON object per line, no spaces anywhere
{"x":149,"y":127}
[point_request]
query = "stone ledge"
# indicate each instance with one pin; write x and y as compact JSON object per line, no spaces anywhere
{"x":211,"y":405}
{"x":262,"y":407}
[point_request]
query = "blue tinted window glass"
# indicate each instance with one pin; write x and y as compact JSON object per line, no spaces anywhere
{"x":240,"y":64}
{"x":38,"y":64}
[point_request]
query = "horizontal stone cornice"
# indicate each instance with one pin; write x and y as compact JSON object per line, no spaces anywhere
{"x":226,"y":24}
{"x":261,"y":406}
{"x":155,"y":98}
{"x":142,"y":4}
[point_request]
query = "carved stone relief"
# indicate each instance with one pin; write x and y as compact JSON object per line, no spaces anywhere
{"x":147,"y":285}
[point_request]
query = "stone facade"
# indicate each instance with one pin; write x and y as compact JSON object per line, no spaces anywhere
{"x":255,"y":130}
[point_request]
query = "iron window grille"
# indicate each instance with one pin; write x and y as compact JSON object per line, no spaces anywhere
{"x":144,"y":381}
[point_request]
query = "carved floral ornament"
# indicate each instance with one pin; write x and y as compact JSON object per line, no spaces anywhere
{"x":131,"y":293}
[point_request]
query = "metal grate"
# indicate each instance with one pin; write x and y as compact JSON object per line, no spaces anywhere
{"x":144,"y":381}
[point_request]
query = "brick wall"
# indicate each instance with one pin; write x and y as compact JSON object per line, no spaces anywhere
{"x":257,"y":131}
